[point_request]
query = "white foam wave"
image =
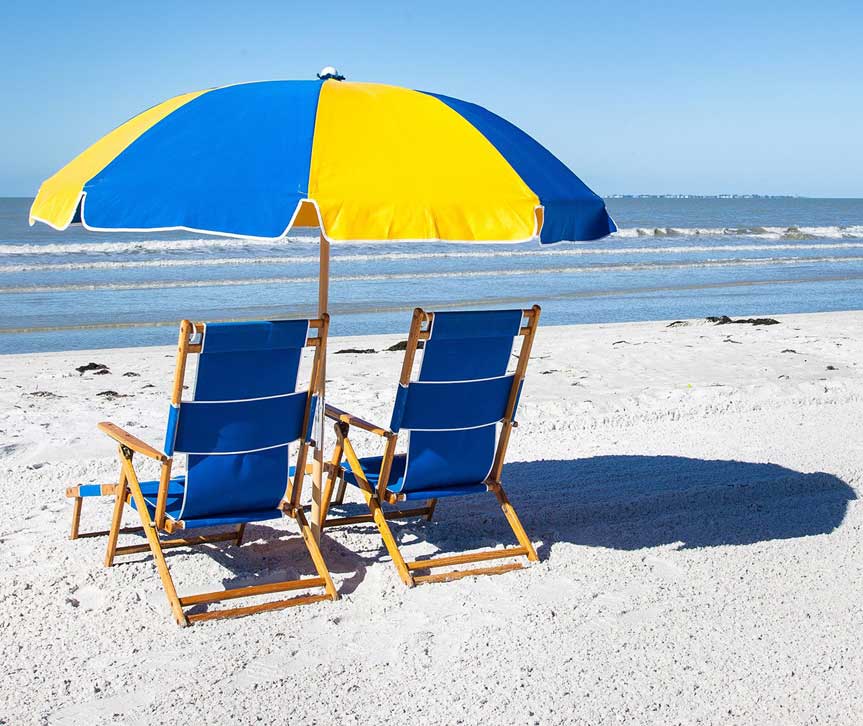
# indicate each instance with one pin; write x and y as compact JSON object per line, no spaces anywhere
{"x":151,"y":246}
{"x":789,"y":232}
{"x":312,"y":279}
{"x":486,"y":253}
{"x":216,"y":244}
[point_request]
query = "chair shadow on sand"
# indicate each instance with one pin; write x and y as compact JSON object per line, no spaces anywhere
{"x":618,"y":502}
{"x":267,"y":555}
{"x":635,"y":502}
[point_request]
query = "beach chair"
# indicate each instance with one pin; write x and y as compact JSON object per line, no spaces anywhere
{"x":457,"y":416}
{"x":235,"y":432}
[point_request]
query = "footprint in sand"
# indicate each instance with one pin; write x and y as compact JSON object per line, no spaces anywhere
{"x":170,"y":660}
{"x":608,"y":624}
{"x":612,"y":600}
{"x":268,"y":669}
{"x":157,"y":601}
{"x":81,"y":714}
{"x":639,"y":616}
{"x":619,"y":599}
{"x":20,"y":545}
{"x":87,"y":598}
{"x":418,"y":649}
{"x":664,"y":568}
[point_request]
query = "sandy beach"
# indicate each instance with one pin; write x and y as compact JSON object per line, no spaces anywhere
{"x":692,"y":490}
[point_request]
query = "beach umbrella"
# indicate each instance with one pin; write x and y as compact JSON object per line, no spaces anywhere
{"x":361,"y":161}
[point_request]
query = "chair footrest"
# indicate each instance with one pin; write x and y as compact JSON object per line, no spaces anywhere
{"x":251,"y":590}
{"x":445,"y":576}
{"x":470,"y":557}
{"x":252,"y":609}
{"x":368,"y":518}
{"x":105,"y":490}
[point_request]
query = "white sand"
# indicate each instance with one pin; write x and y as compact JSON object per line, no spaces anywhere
{"x":691,"y":492}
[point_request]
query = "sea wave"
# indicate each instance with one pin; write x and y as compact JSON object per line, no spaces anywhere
{"x":217,"y":244}
{"x":202,"y":244}
{"x":486,"y":253}
{"x":391,"y":277}
{"x":784,"y":232}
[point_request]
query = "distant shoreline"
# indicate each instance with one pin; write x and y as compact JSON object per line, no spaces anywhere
{"x":715,"y":196}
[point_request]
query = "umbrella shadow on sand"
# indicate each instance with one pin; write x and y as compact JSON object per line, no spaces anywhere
{"x":635,"y":502}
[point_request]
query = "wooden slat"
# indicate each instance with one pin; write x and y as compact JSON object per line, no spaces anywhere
{"x":174,"y":525}
{"x":386,"y":466}
{"x":378,"y":514}
{"x":320,"y":388}
{"x":419,"y":317}
{"x":251,"y":590}
{"x":469,"y":557}
{"x":186,"y":328}
{"x":162,"y":493}
{"x":520,"y":371}
{"x":295,"y":484}
{"x":184,"y":542}
{"x":333,"y":471}
{"x":343,"y":521}
{"x":184,"y":347}
{"x":252,"y":609}
{"x":119,"y":503}
{"x":447,"y":576}
{"x":76,"y":516}
{"x":132,"y":442}
{"x":337,"y":414}
{"x":366,"y":518}
{"x":514,"y":521}
{"x":315,"y":554}
{"x":130,"y":478}
{"x":105,"y":532}
{"x":203,"y":539}
{"x":105,"y":490}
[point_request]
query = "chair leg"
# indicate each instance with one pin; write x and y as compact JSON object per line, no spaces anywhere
{"x":338,"y":452}
{"x":327,"y":498}
{"x":340,"y":494}
{"x":377,"y":512}
{"x":387,"y":536}
{"x":315,"y":553}
{"x":116,"y":520}
{"x":240,"y":532}
{"x":76,"y":517}
{"x":431,"y":505}
{"x":153,"y":540}
{"x":514,"y":522}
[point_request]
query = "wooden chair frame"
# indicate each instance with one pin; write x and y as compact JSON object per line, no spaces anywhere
{"x":128,"y":489}
{"x":375,"y":497}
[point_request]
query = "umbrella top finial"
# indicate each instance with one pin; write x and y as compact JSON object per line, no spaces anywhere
{"x":328,"y":72}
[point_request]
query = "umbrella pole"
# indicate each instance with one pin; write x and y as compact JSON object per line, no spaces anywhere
{"x":318,"y":459}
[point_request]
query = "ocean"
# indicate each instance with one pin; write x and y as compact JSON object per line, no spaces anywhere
{"x":671,"y":259}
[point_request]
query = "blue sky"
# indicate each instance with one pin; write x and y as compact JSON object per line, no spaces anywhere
{"x":636,"y":97}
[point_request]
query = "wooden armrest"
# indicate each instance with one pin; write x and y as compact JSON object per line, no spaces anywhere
{"x":135,"y":444}
{"x":336,"y":414}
